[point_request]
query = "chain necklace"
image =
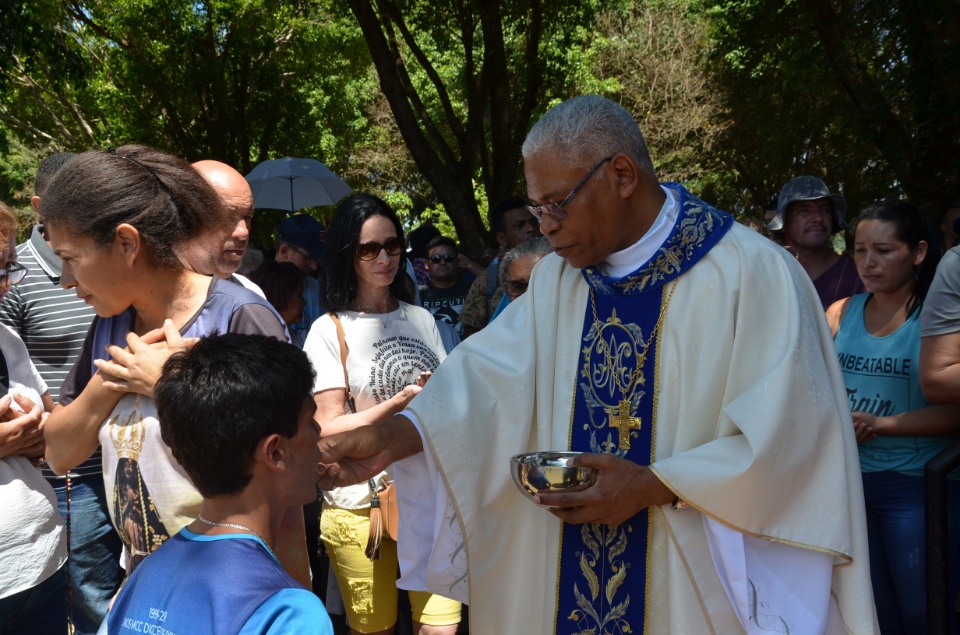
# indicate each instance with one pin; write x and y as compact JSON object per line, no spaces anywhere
{"x":620,"y":417}
{"x":233,"y":526}
{"x":376,"y":312}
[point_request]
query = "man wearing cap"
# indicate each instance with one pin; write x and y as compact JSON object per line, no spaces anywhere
{"x":808,"y":214}
{"x":300,"y":241}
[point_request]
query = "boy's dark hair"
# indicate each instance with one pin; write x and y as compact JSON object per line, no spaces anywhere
{"x":47,"y":168}
{"x":442,"y":241}
{"x":497,"y":213}
{"x":217,"y":401}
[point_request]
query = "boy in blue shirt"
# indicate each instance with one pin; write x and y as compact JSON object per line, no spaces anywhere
{"x":237,"y":412}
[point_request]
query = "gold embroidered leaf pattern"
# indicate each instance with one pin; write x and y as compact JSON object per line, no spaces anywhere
{"x":585,"y":604}
{"x":586,"y":535}
{"x":619,"y":547}
{"x":592,"y":580}
{"x":616,"y":612}
{"x":619,"y":573}
{"x":608,"y":536}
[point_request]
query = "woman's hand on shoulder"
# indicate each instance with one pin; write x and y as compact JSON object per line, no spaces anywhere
{"x":137,"y":367}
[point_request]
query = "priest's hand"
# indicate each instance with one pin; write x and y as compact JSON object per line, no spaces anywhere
{"x":357,"y":455}
{"x":622,"y":489}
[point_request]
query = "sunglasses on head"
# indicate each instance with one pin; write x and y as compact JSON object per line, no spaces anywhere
{"x":368,"y":251}
{"x":437,"y":258}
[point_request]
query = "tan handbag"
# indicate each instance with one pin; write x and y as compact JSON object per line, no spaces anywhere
{"x":384,"y":513}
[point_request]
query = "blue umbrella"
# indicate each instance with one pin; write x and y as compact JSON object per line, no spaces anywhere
{"x":291,"y":184}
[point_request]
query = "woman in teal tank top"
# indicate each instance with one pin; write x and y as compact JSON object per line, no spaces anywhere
{"x":877,"y":335}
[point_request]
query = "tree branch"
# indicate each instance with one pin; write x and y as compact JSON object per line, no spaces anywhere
{"x":393,"y":14}
{"x":413,"y":98}
{"x":77,"y":12}
{"x":887,"y":131}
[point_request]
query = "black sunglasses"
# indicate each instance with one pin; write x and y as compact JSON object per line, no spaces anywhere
{"x":370,"y":250}
{"x":437,"y":258}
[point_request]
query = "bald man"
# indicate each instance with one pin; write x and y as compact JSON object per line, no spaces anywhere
{"x":219,"y":253}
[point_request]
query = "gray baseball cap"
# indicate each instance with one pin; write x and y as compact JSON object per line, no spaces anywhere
{"x":808,"y":188}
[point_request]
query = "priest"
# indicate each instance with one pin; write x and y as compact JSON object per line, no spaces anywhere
{"x":689,"y":360}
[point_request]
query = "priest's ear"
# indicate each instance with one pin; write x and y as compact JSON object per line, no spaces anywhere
{"x":629,"y":176}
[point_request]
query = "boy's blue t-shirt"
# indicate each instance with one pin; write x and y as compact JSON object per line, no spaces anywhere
{"x":215,"y":584}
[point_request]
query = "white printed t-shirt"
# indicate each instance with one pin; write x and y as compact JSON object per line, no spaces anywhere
{"x":387,"y":352}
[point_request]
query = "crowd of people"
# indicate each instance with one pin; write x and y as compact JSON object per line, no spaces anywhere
{"x":757,"y":409}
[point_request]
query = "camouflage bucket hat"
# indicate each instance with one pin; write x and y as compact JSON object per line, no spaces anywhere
{"x":808,"y":188}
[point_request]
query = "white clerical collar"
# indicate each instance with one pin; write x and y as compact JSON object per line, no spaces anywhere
{"x":626,"y":261}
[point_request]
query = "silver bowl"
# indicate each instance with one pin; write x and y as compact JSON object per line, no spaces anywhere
{"x":548,"y":472}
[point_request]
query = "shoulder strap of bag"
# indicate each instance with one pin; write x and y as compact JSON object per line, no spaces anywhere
{"x":374,"y":538}
{"x":341,"y":337}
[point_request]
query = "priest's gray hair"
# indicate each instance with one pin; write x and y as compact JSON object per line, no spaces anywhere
{"x":537,"y":247}
{"x":587,"y":129}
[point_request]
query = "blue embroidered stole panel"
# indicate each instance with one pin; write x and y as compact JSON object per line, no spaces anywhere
{"x":603,"y":573}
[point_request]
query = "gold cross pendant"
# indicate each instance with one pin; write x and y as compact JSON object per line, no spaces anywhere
{"x":624,"y":423}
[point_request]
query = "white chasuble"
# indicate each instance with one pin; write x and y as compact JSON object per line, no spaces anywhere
{"x":748,"y":424}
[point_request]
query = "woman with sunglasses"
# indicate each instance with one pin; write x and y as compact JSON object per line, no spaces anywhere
{"x":391,"y":347}
{"x":119,"y":221}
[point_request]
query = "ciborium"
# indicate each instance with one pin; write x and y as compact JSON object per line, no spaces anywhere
{"x":548,"y":472}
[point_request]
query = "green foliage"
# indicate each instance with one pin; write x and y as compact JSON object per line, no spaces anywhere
{"x":863,"y":94}
{"x":18,"y":162}
{"x":651,"y":58}
{"x":426,"y":103}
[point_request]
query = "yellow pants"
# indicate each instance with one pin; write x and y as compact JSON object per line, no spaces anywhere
{"x":369,"y":589}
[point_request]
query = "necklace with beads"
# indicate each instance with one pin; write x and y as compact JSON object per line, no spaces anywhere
{"x":620,"y":417}
{"x":243,"y":527}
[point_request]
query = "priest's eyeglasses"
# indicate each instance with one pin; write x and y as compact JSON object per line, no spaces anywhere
{"x":370,"y":250}
{"x":12,"y":274}
{"x":558,"y":210}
